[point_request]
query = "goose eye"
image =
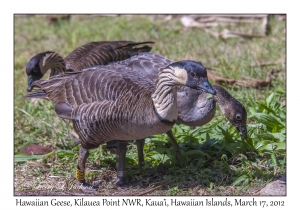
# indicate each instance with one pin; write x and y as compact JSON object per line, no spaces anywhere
{"x":193,"y":74}
{"x":238,"y":117}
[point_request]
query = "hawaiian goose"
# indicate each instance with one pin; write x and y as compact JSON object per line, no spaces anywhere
{"x":194,"y":108}
{"x":91,"y":54}
{"x":118,"y":102}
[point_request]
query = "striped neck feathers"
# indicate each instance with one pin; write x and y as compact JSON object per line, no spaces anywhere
{"x":165,"y":95}
{"x":54,"y":62}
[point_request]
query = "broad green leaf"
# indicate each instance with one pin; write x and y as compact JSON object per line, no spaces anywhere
{"x":276,"y":146}
{"x":178,"y":128}
{"x":270,"y":98}
{"x":268,"y":109}
{"x":265,"y":136}
{"x":63,"y":153}
{"x":160,"y":150}
{"x":20,"y":157}
{"x":240,"y":179}
{"x":228,"y":137}
{"x":274,"y":159}
{"x":263,"y":143}
{"x":158,"y":141}
{"x":208,"y":95}
{"x":268,"y":120}
{"x":280,"y":136}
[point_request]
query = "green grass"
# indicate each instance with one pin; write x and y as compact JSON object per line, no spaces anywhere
{"x":225,"y":161}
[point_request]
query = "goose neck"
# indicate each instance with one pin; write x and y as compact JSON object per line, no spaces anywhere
{"x":165,"y":97}
{"x":54,"y":62}
{"x":221,"y":95}
{"x":224,"y":99}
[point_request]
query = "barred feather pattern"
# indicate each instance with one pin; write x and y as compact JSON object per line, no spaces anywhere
{"x":91,"y":54}
{"x":101,"y":53}
{"x":54,"y":62}
{"x":147,"y":63}
{"x":111,"y":103}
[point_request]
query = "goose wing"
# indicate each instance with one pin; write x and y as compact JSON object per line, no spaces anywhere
{"x":94,"y":84}
{"x":103,"y":52}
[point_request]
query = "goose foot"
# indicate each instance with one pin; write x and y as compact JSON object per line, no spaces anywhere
{"x":120,"y":181}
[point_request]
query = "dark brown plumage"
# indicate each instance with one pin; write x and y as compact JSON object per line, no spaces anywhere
{"x":91,"y":54}
{"x":103,"y":52}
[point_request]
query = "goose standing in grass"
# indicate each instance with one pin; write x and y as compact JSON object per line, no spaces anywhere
{"x":194,"y":108}
{"x":118,"y":102}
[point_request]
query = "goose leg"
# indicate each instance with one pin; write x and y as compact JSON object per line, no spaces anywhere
{"x":122,"y":153}
{"x":174,"y":143}
{"x":80,"y":170}
{"x":140,"y":145}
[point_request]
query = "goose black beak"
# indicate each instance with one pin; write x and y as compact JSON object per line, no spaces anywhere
{"x":243,"y":131}
{"x":205,"y":85}
{"x":244,"y":134}
{"x":30,"y":81}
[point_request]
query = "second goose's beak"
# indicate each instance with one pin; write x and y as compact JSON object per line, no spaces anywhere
{"x":205,"y":85}
{"x":243,"y":131}
{"x":30,"y":81}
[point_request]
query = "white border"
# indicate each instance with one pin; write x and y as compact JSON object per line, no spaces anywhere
{"x":137,"y":7}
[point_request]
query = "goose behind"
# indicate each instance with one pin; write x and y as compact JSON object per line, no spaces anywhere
{"x":91,"y":54}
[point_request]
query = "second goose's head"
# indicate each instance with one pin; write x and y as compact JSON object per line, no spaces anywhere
{"x":233,"y":110}
{"x":191,"y":74}
{"x":39,"y":64}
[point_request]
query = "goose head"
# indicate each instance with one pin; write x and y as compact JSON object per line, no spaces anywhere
{"x":191,"y":74}
{"x":233,"y":110}
{"x":38,"y":65}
